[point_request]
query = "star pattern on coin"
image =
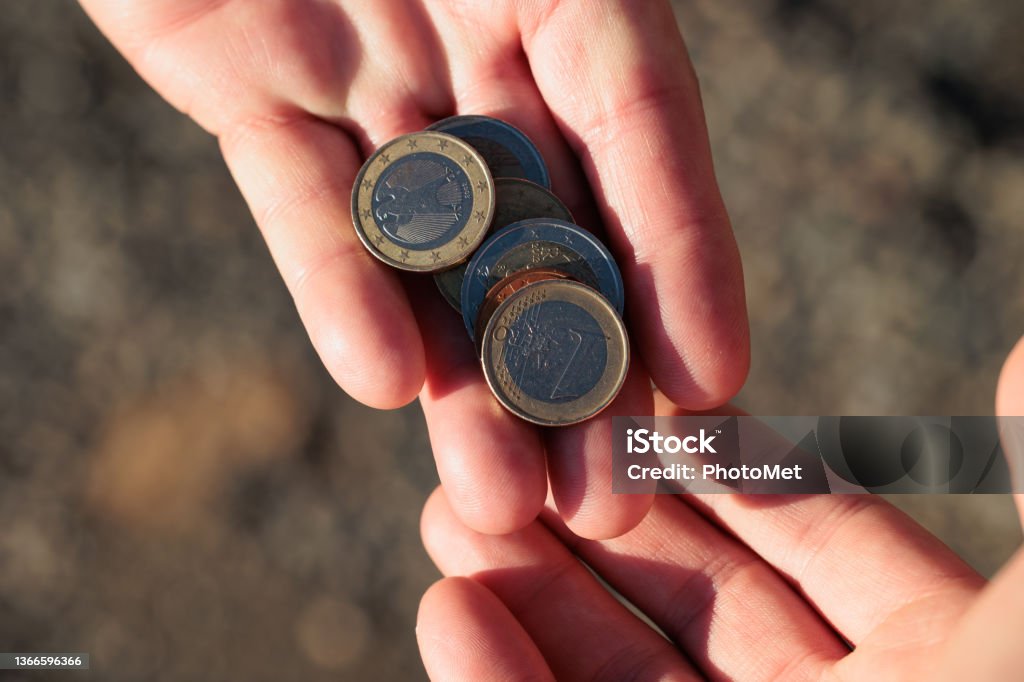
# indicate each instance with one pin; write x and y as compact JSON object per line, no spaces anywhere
{"x":366,"y":213}
{"x":412,"y":144}
{"x":481,"y":185}
{"x":404,"y":255}
{"x":568,"y":240}
{"x":467,"y":159}
{"x":480,"y":215}
{"x":463,"y":241}
{"x":442,"y":144}
{"x":378,"y":240}
{"x":385,"y":158}
{"x":366,"y":183}
{"x":436,"y":255}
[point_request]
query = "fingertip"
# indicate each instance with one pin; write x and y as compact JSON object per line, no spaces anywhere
{"x":1010,"y":389}
{"x":435,"y":601}
{"x":707,"y":367}
{"x":686,"y":290}
{"x":447,"y":598}
{"x":494,"y":500}
{"x":500,"y":517}
{"x":491,"y":464}
{"x":465,"y":632}
{"x":507,"y":500}
{"x":373,"y":350}
{"x":434,"y":518}
{"x":435,"y":510}
{"x":581,"y":467}
{"x":380,"y":381}
{"x":1010,"y":403}
{"x":593,"y":523}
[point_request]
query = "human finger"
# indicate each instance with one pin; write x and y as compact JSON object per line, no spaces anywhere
{"x":491,"y":463}
{"x":856,"y":558}
{"x":985,"y":645}
{"x":581,"y":630}
{"x":617,"y":78}
{"x":1010,"y":404}
{"x":490,"y":76}
{"x":283,"y":108}
{"x":465,"y":633}
{"x":580,"y":466}
{"x":733,"y":615}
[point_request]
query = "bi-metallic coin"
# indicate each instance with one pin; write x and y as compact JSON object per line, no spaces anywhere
{"x":423,"y":202}
{"x":505,"y":288}
{"x":539,"y":243}
{"x":515,"y":199}
{"x":555,"y":352}
{"x":508,"y":151}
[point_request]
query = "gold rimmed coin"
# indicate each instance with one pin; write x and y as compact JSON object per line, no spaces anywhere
{"x":555,"y":352}
{"x":515,"y":199}
{"x":423,"y":202}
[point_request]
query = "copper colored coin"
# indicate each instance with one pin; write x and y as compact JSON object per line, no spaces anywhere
{"x":505,"y":288}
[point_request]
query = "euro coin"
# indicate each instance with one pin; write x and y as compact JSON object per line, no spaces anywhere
{"x":505,"y":288}
{"x":515,"y":199}
{"x":555,"y":353}
{"x":508,"y":151}
{"x":423,"y":202}
{"x":541,"y":243}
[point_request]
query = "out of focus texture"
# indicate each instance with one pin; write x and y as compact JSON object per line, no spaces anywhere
{"x":184,"y":493}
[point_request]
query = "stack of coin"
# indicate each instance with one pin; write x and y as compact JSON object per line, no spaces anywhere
{"x":541,"y":297}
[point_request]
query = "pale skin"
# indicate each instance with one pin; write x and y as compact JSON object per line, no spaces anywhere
{"x":299,"y":92}
{"x":745,"y":588}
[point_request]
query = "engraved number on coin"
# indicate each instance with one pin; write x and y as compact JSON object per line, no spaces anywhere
{"x":553,"y":351}
{"x":580,"y":340}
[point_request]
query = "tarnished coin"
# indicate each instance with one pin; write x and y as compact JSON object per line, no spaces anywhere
{"x":515,"y":199}
{"x":539,"y":243}
{"x":508,"y":151}
{"x":423,"y":202}
{"x":555,"y":352}
{"x":505,"y":288}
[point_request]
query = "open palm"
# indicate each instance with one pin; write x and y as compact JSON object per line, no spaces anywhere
{"x":815,"y":587}
{"x":300,"y":91}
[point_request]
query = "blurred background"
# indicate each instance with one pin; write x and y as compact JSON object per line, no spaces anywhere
{"x":185,"y":494}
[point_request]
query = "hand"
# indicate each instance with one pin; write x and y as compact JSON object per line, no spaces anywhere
{"x":300,"y":91}
{"x":758,"y":587}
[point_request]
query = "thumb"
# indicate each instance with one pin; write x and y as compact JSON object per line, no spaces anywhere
{"x":1010,"y":403}
{"x":986,"y":644}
